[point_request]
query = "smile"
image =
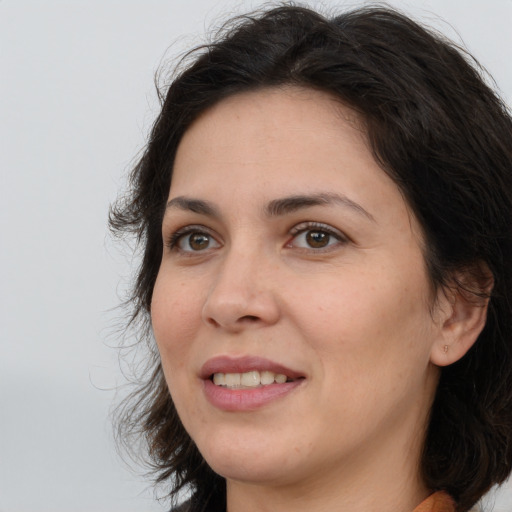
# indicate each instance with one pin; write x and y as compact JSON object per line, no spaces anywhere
{"x":247,"y":383}
{"x":249,"y":380}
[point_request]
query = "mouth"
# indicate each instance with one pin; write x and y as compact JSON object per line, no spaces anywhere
{"x":249,"y":380}
{"x":247,"y":383}
{"x":247,"y":371}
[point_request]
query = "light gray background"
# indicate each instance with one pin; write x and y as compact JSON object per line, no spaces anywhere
{"x":76,"y":103}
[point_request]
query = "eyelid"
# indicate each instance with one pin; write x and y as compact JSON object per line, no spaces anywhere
{"x":172,"y":241}
{"x":318,"y":226}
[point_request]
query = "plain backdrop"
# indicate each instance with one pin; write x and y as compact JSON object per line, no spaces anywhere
{"x":76,"y":103}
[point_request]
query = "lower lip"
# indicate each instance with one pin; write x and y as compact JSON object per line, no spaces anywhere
{"x":246,"y":399}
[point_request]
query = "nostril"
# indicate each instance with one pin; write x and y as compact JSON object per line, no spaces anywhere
{"x":249,"y":318}
{"x":213,"y":322}
{"x":240,"y":322}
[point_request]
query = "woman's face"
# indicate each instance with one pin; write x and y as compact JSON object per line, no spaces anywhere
{"x":292,"y":308}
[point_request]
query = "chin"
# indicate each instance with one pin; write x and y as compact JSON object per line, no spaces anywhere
{"x":247,"y":472}
{"x":243,"y":458}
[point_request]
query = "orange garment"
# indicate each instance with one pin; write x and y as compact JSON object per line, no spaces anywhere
{"x":437,"y":502}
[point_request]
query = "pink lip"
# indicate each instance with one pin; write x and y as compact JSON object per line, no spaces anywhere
{"x":226,"y":364}
{"x":234,"y":400}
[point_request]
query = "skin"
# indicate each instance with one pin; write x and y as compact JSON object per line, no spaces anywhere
{"x":357,"y":317}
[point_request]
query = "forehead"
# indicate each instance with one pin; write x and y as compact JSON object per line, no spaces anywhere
{"x":292,"y":107}
{"x":277,"y":142}
{"x":280,"y":132}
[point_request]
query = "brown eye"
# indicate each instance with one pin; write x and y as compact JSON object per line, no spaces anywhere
{"x":316,"y":236}
{"x":196,"y":241}
{"x":317,"y":239}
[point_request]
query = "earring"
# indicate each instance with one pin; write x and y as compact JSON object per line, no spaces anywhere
{"x":445,"y":349}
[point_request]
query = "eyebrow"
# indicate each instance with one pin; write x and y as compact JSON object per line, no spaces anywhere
{"x":274,"y":208}
{"x":291,"y":204}
{"x":193,"y":205}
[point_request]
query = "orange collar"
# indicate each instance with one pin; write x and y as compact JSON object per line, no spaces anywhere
{"x":437,"y":502}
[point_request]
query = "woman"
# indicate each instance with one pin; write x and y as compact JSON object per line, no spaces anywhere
{"x":324,"y":208}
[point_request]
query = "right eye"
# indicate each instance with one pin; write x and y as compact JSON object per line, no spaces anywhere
{"x":192,"y":240}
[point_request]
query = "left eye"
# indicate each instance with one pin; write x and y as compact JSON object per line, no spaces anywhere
{"x":196,"y":241}
{"x":315,"y":238}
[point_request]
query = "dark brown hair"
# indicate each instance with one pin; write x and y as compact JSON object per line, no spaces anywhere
{"x":440,"y":133}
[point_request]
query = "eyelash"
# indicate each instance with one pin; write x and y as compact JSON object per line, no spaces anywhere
{"x":173,"y":240}
{"x":304,"y":227}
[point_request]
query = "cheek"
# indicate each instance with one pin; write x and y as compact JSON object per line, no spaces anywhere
{"x":366,"y":317}
{"x":175,"y":314}
{"x":372,"y":343}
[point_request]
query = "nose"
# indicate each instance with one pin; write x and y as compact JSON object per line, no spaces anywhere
{"x":242,"y":294}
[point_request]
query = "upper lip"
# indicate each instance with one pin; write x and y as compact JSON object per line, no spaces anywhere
{"x":228,"y":364}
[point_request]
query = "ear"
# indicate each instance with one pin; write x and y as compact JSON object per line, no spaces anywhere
{"x":461,"y":312}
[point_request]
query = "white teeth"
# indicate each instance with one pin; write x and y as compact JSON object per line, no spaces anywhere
{"x":251,"y":379}
{"x":280,"y":379}
{"x":219,"y":379}
{"x":267,"y":378}
{"x":232,"y":380}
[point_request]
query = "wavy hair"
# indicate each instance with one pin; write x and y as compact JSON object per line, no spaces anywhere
{"x":444,"y":137}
